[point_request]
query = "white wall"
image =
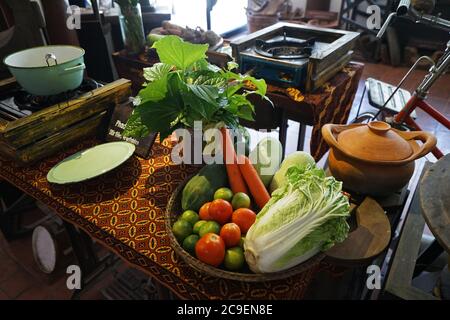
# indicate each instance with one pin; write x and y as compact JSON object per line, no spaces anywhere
{"x":299,"y":4}
{"x":335,"y":5}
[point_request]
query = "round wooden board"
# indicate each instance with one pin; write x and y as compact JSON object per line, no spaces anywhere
{"x":435,"y":200}
{"x":371,"y":236}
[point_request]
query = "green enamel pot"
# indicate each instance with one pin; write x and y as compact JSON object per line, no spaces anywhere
{"x":47,"y":70}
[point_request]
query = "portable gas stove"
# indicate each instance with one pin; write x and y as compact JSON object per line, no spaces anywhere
{"x":17,"y":103}
{"x":294,"y":55}
{"x":33,"y":127}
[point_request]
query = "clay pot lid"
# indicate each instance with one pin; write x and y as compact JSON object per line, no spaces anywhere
{"x":375,"y":142}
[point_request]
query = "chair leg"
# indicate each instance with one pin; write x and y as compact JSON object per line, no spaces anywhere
{"x":301,"y":137}
{"x":283,"y":131}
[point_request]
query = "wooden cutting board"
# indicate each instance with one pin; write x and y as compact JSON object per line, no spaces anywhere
{"x":435,"y":200}
{"x":370,"y":237}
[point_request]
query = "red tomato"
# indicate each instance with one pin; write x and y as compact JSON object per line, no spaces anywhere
{"x":204,"y":212}
{"x":231,"y":235}
{"x":210,"y":249}
{"x":220,"y":210}
{"x":244,"y":218}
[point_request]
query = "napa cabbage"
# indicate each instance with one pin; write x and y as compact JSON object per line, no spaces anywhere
{"x":306,"y":215}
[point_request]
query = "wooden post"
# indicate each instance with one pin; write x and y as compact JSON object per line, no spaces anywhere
{"x":55,"y":12}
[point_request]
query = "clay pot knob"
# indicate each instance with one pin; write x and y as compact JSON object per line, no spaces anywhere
{"x":379,"y":127}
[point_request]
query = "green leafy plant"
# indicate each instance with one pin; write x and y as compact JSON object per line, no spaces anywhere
{"x":131,"y":25}
{"x":127,"y":3}
{"x":184,"y":88}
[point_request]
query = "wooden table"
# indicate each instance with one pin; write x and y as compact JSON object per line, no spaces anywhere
{"x":124,"y":211}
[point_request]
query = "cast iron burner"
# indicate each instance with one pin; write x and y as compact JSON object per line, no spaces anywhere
{"x":285,"y":49}
{"x":27,"y":101}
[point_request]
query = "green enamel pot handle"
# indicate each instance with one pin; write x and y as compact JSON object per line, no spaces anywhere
{"x":78,"y":67}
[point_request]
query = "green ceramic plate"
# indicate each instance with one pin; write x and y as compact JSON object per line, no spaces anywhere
{"x":91,"y":163}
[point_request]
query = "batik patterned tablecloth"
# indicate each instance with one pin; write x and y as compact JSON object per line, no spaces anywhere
{"x":124,"y":210}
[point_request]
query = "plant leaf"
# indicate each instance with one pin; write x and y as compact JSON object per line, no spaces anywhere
{"x":199,"y":106}
{"x":173,"y":51}
{"x":233,"y":88}
{"x":152,"y":117}
{"x":246,"y":112}
{"x":228,"y":118}
{"x":260,"y":84}
{"x":205,"y":92}
{"x":241,"y":107}
{"x":159,"y":115}
{"x":155,"y":91}
{"x":231,"y":65}
{"x":157,"y":71}
{"x":134,"y":127}
{"x":210,"y":80}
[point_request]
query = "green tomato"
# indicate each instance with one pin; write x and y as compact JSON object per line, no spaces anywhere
{"x":198,"y":225}
{"x":240,"y":200}
{"x":234,"y":259}
{"x":209,"y":227}
{"x":223,"y":193}
{"x":190,"y":242}
{"x":181,"y":229}
{"x":190,"y":216}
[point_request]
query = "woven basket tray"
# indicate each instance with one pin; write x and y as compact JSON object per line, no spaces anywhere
{"x":174,"y":209}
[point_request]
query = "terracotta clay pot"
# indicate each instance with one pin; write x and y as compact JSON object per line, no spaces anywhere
{"x":374,"y":159}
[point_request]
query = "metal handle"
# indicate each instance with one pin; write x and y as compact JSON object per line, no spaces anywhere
{"x":80,"y":66}
{"x":430,"y":19}
{"x":403,"y":7}
{"x":50,"y":56}
{"x":386,"y":25}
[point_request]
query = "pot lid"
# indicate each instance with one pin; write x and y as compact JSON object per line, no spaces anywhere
{"x":374,"y":142}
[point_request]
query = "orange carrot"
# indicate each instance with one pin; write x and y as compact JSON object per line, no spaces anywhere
{"x":229,"y":156}
{"x":254,"y":183}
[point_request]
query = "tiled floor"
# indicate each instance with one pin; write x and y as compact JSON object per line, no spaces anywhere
{"x":21,"y":279}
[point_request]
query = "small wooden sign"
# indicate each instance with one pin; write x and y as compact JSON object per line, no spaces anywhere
{"x":117,"y":125}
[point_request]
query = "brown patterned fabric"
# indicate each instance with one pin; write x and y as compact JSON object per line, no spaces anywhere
{"x":331,"y":103}
{"x":124,"y":210}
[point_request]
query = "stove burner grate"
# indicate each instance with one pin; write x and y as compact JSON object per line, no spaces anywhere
{"x":285,"y":49}
{"x":26,"y":101}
